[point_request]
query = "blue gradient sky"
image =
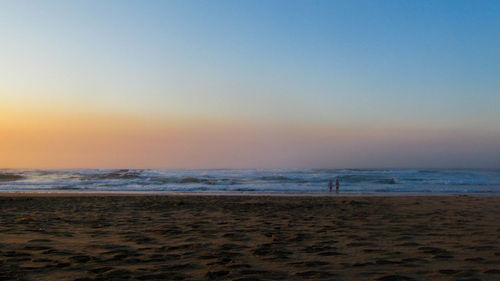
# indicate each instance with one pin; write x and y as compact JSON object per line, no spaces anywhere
{"x":350,"y":69}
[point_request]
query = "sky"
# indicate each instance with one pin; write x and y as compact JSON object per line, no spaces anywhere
{"x":249,"y":84}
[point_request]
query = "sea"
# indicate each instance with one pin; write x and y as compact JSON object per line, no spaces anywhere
{"x":353,"y":182}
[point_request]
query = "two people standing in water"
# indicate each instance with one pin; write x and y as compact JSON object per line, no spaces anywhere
{"x":337,"y":185}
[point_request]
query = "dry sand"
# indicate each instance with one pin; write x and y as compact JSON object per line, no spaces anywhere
{"x":249,"y":238}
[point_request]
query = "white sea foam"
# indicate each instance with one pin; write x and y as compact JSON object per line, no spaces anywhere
{"x":285,"y":181}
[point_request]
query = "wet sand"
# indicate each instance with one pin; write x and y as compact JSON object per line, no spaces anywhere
{"x":249,"y":238}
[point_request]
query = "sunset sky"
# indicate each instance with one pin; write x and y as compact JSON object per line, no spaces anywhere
{"x":249,"y":84}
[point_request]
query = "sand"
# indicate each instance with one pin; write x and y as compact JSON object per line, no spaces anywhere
{"x":249,"y":238}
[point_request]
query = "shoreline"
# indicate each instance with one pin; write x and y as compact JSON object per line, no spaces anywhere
{"x":264,"y":182}
{"x":229,"y":194}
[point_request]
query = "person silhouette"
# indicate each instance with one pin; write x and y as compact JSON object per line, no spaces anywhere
{"x":330,"y":185}
{"x":337,"y":184}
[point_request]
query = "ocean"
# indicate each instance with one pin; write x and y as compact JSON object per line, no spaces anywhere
{"x":259,"y":182}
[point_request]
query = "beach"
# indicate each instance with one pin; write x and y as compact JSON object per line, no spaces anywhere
{"x":129,"y":237}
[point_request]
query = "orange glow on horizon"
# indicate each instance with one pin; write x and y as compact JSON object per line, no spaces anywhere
{"x":65,"y":141}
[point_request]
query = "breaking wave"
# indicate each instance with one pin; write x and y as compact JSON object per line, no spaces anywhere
{"x":283,"y":181}
{"x":10,"y":177}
